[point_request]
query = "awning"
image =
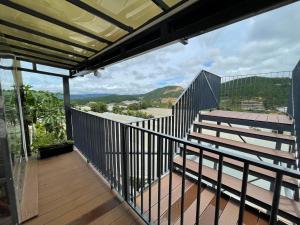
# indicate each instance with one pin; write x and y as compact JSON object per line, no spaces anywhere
{"x":87,"y":34}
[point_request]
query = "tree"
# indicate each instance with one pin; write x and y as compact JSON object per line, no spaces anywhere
{"x":117,"y":109}
{"x":98,"y":107}
{"x":44,"y":111}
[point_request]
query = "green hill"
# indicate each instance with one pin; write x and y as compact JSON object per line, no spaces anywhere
{"x":156,"y":97}
{"x":272,"y":92}
{"x":164,"y":92}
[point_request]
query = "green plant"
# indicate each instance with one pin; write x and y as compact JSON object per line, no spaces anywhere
{"x":44,"y":112}
{"x":98,"y":107}
{"x":117,"y":109}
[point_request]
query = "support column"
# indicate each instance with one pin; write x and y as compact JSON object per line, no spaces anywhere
{"x":67,"y":108}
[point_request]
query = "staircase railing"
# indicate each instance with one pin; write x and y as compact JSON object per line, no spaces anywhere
{"x":294,"y":107}
{"x":202,"y":93}
{"x":131,"y":158}
{"x":256,"y":92}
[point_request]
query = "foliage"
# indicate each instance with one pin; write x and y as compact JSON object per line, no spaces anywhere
{"x":99,"y":107}
{"x":137,"y":114}
{"x":150,"y":99}
{"x":164,"y":92}
{"x":106,"y":99}
{"x":137,"y":106}
{"x":45,"y":113}
{"x":117,"y":109}
{"x":43,"y":138}
{"x":273,"y":92}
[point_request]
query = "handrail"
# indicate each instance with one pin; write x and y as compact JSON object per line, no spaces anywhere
{"x":202,"y":93}
{"x":226,"y":153}
{"x":294,"y":104}
{"x":121,"y":152}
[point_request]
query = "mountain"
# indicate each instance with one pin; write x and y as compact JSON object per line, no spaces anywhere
{"x":273,"y":92}
{"x":158,"y":96}
{"x":164,"y":92}
{"x":84,"y":96}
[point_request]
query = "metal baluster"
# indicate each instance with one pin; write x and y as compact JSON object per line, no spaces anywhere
{"x":153,"y":152}
{"x":243,"y":193}
{"x":170,"y":145}
{"x":138,"y":158}
{"x":183,"y":185}
{"x":159,"y":168}
{"x":143,"y":167}
{"x":135,"y":165}
{"x":124,"y":149}
{"x":199,"y":186}
{"x":219,"y":186}
{"x":131,"y":162}
{"x":149,"y":171}
{"x":276,"y":199}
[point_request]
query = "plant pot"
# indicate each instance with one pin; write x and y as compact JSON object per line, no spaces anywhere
{"x":53,"y":150}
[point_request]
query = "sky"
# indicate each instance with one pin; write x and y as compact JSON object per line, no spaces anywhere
{"x":266,"y":43}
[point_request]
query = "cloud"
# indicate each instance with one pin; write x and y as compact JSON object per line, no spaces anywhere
{"x":267,"y":42}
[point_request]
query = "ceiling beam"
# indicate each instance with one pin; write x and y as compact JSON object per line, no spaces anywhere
{"x":39,"y":15}
{"x":161,"y":4}
{"x":100,"y":14}
{"x":38,"y":33}
{"x":31,"y":58}
{"x":196,"y":19}
{"x":10,"y":37}
{"x":38,"y":52}
{"x":32,"y":71}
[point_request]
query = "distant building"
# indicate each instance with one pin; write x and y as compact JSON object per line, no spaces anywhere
{"x":127,"y":102}
{"x":252,"y":105}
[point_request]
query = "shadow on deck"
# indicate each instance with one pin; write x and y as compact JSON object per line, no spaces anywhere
{"x":70,"y":192}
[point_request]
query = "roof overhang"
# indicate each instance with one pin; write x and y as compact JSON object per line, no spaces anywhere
{"x":84,"y":35}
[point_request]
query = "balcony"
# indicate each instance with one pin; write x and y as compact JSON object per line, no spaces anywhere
{"x":210,"y":162}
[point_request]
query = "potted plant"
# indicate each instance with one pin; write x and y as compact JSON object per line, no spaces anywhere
{"x":49,"y":144}
{"x":46,"y":151}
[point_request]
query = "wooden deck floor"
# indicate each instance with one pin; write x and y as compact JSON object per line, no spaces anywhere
{"x":229,"y":208}
{"x":271,"y":118}
{"x":70,"y":192}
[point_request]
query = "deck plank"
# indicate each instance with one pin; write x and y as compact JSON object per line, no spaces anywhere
{"x":72,"y":193}
{"x":269,"y":121}
{"x":249,"y":148}
{"x":248,"y":132}
{"x":29,"y":203}
{"x":256,"y":171}
{"x":287,"y":206}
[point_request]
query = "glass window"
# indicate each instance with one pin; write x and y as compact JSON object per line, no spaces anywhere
{"x":5,"y":218}
{"x":11,"y":116}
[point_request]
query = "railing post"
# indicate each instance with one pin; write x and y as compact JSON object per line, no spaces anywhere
{"x":276,"y":199}
{"x":124,"y":148}
{"x":67,"y":108}
{"x":243,"y":193}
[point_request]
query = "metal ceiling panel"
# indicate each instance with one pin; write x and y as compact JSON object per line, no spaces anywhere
{"x":43,"y":50}
{"x":25,"y":20}
{"x":75,"y":16}
{"x":42,"y":40}
{"x":133,"y":13}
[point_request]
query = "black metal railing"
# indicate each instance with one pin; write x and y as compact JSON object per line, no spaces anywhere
{"x":202,"y":93}
{"x":294,"y":107}
{"x":132,"y":158}
{"x":256,"y":92}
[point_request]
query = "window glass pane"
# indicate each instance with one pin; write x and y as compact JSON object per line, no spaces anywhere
{"x":5,"y":218}
{"x":14,"y":136}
